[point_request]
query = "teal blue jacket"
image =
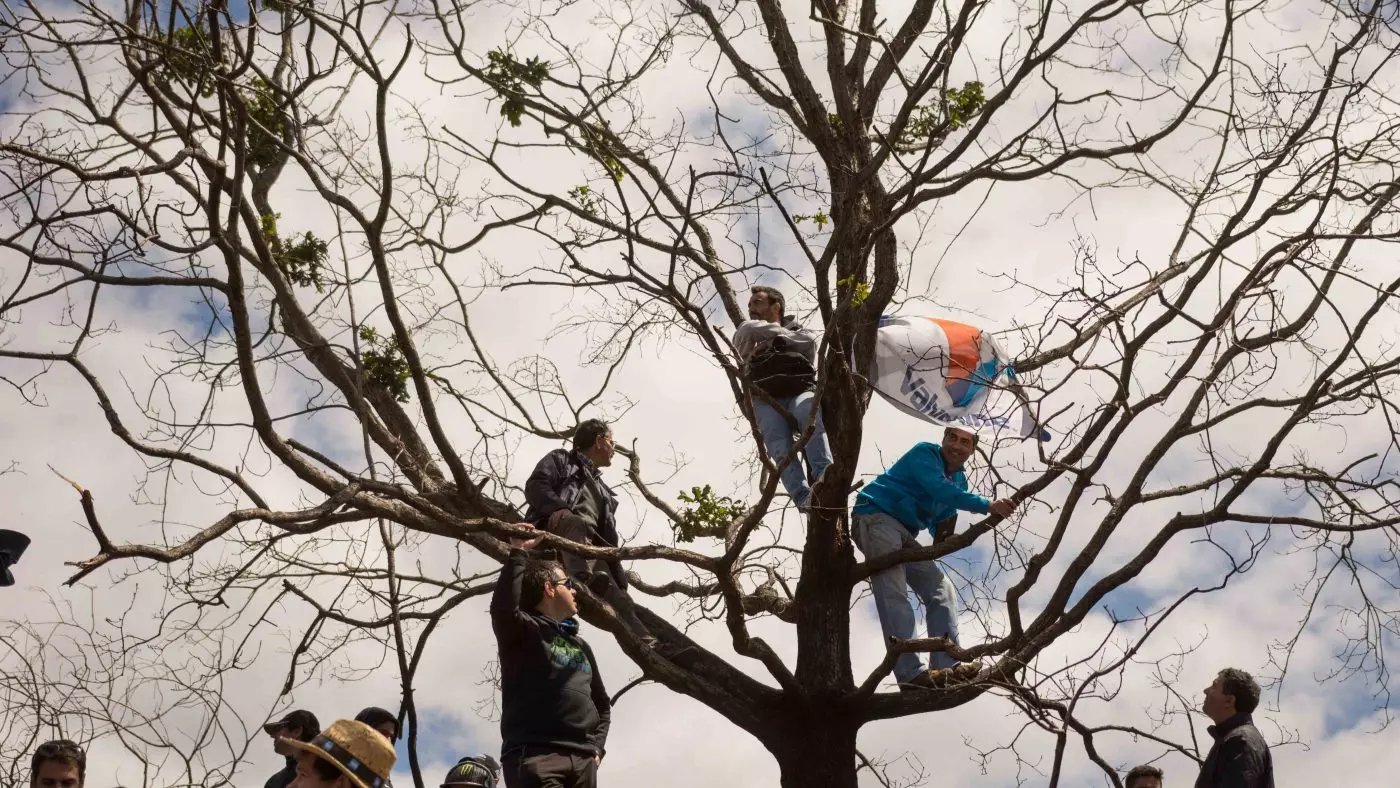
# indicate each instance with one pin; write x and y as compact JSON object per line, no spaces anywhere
{"x":919,"y":492}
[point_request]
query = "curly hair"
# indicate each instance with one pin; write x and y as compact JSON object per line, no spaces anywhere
{"x":1243,"y":687}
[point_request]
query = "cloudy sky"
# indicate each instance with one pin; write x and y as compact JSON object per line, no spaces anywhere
{"x":960,"y":252}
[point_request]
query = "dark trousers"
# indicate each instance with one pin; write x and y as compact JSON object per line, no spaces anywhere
{"x":538,"y":767}
{"x":596,"y":574}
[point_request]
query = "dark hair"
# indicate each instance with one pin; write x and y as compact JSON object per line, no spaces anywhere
{"x":61,"y":750}
{"x":1141,"y":771}
{"x":1242,"y":687}
{"x":375,"y":716}
{"x":324,"y":769}
{"x":533,"y":579}
{"x":773,"y":295}
{"x":588,"y":432}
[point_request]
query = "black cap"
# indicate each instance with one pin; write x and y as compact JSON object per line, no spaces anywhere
{"x":473,"y":771}
{"x":375,"y":716}
{"x":12,"y":546}
{"x":297,"y":718}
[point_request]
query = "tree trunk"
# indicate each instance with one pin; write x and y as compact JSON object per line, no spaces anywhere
{"x":816,"y":749}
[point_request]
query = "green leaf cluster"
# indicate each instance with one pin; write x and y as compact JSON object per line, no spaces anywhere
{"x":585,"y":198}
{"x":953,"y":110}
{"x":269,"y":123}
{"x":596,"y":143}
{"x":859,"y":290}
{"x":189,"y":58}
{"x":383,"y":363}
{"x":708,"y":516}
{"x":302,"y":260}
{"x":820,"y":219}
{"x":510,"y":77}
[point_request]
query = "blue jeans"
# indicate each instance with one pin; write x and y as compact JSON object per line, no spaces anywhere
{"x":778,"y":438}
{"x":880,"y":534}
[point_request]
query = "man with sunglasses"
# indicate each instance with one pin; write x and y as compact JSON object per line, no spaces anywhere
{"x":555,"y":710}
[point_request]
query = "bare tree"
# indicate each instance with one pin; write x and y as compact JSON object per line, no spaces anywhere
{"x":200,"y":154}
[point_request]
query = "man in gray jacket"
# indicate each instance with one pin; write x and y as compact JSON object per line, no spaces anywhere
{"x":779,"y":359}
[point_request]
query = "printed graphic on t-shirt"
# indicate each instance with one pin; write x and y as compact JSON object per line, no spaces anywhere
{"x":566,"y":654}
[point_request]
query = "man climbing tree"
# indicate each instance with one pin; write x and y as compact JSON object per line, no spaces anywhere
{"x":923,"y":491}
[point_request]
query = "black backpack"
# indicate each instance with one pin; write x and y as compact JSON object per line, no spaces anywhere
{"x":781,"y":371}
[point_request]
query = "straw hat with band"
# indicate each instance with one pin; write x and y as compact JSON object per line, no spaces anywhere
{"x":356,"y":749}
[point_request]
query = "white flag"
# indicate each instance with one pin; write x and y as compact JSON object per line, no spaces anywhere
{"x":946,"y":372}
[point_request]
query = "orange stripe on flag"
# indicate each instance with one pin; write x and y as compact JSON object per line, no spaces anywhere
{"x":964,"y":347}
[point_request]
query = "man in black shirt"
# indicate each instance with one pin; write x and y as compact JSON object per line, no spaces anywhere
{"x":1239,"y":758}
{"x":567,"y":496}
{"x":300,"y":725}
{"x":555,"y":710}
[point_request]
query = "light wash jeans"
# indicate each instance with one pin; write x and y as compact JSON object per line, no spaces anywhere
{"x":880,"y":534}
{"x":778,"y":437}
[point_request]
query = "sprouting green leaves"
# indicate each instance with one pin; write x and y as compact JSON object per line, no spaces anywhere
{"x":859,"y":290}
{"x":954,"y":109}
{"x":383,"y":363}
{"x":302,"y":260}
{"x":510,"y":78}
{"x":708,"y":516}
{"x":820,"y":219}
{"x":584,"y":197}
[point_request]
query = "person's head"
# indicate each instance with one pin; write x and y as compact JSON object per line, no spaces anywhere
{"x":1233,"y":692}
{"x":1143,"y":776}
{"x":958,"y":446}
{"x":766,"y":303}
{"x":58,"y":764}
{"x":545,"y":587}
{"x":297,"y":725}
{"x":381,"y":720}
{"x":348,"y":754}
{"x":593,"y":439}
{"x":473,"y":771}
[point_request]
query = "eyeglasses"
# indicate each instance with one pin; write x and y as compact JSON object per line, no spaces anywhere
{"x":567,"y":582}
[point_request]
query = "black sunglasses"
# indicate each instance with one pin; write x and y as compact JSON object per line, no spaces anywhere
{"x":567,"y":582}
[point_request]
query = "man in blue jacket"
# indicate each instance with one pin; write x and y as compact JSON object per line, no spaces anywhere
{"x":923,"y":490}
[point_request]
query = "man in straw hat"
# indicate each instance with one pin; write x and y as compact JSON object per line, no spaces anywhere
{"x":297,"y":725}
{"x":554,"y":709}
{"x":348,"y":754}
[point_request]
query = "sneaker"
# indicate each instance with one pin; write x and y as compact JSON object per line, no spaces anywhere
{"x":921,"y":681}
{"x":939,"y":678}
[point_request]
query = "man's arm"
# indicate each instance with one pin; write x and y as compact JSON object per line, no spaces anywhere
{"x":940,"y":491}
{"x":542,"y":488}
{"x":505,"y":600}
{"x":1238,"y":765}
{"x":599,"y":737}
{"x":754,"y":334}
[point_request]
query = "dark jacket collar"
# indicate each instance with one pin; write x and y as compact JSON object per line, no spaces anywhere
{"x":1229,"y":724}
